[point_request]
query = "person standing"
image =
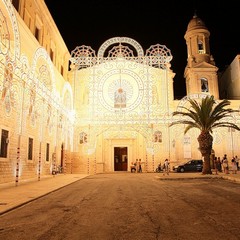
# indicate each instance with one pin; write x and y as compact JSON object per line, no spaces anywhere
{"x":216,"y":165}
{"x":219,"y":164}
{"x":225,"y":164}
{"x":159,"y":168}
{"x":140,"y":166}
{"x":234,"y":165}
{"x":166,"y":167}
{"x":237,"y":161}
{"x":137,"y":166}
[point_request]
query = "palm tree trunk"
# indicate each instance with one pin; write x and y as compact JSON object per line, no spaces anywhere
{"x":205,"y":141}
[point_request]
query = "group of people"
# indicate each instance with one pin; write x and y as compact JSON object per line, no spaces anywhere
{"x":137,"y":165}
{"x":220,"y":165}
{"x":223,"y":165}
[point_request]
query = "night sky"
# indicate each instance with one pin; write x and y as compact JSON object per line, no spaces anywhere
{"x":150,"y":22}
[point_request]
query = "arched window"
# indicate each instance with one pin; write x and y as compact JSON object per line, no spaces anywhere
{"x":201,"y":47}
{"x":204,"y":85}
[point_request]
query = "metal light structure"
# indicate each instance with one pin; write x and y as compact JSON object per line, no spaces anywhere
{"x":120,"y":69}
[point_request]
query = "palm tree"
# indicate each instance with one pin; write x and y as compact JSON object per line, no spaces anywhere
{"x":206,"y":115}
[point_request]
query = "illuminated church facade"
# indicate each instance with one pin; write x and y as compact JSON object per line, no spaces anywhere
{"x":112,"y":107}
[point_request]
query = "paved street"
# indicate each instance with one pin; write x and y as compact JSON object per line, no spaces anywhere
{"x":125,"y":206}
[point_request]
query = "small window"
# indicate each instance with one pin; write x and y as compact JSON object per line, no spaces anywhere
{"x":4,"y":143}
{"x":201,"y":49}
{"x":37,"y":34}
{"x":15,"y":3}
{"x":51,"y":54}
{"x":47,"y":152}
{"x":62,"y":70}
{"x":30,"y":148}
{"x":200,"y":45}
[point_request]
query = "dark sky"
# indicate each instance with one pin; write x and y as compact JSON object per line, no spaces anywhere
{"x":150,"y":22}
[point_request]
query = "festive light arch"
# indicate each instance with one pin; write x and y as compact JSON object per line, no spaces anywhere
{"x":41,"y":53}
{"x":11,"y":13}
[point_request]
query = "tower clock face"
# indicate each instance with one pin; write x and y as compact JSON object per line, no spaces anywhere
{"x":120,"y":90}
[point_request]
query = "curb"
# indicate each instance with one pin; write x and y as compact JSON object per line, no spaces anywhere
{"x":229,"y":178}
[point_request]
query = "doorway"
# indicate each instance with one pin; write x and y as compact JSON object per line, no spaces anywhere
{"x":120,"y":158}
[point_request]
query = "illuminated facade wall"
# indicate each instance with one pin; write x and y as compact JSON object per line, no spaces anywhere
{"x":139,"y":120}
{"x":35,"y":100}
{"x":122,"y":100}
{"x":111,"y":108}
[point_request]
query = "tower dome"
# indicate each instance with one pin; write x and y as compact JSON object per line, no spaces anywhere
{"x":196,"y":23}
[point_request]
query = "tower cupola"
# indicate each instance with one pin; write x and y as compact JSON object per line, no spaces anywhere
{"x":200,"y":72}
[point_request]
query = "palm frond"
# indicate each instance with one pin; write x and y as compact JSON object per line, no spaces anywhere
{"x":226,"y":125}
{"x":188,"y":128}
{"x":205,"y":115}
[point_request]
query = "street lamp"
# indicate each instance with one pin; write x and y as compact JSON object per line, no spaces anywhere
{"x":231,"y":130}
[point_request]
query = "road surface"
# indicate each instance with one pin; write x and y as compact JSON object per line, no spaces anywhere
{"x":130,"y":206}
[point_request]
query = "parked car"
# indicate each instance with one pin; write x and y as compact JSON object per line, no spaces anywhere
{"x":189,"y":166}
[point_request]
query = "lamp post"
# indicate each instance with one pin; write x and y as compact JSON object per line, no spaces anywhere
{"x":19,"y":135}
{"x":42,"y":102}
{"x":232,"y":140}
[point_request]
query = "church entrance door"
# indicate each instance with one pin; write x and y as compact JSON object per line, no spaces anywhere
{"x":120,"y":158}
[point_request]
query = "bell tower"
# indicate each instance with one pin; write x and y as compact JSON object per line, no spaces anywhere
{"x":200,"y":72}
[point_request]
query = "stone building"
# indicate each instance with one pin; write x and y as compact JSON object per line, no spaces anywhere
{"x":111,"y":108}
{"x":229,"y":80}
